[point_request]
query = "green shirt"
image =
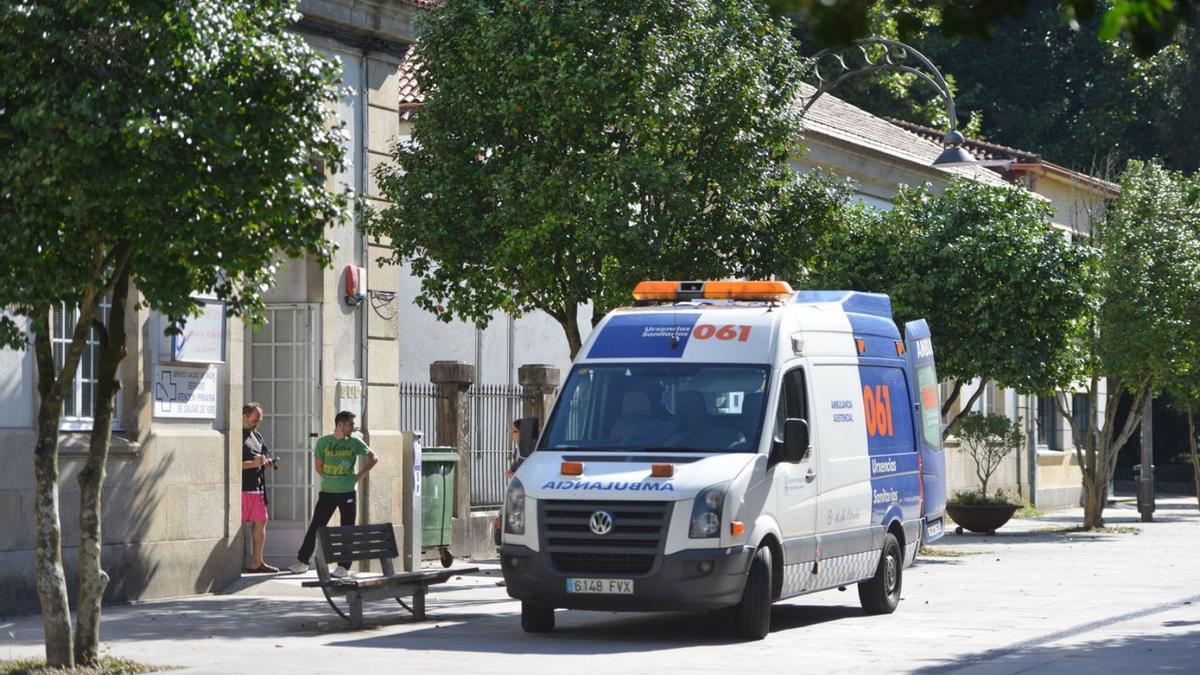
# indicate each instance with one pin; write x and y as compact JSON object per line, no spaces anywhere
{"x":338,"y":457}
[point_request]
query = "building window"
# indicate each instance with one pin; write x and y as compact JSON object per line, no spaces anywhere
{"x":79,"y":402}
{"x":1047,"y":423}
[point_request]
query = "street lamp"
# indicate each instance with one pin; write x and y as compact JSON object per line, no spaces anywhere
{"x":835,"y":65}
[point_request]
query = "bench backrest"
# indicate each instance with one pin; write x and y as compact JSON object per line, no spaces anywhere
{"x":358,"y":542}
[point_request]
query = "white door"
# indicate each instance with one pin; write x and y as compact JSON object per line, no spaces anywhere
{"x":283,"y":367}
{"x":795,"y":487}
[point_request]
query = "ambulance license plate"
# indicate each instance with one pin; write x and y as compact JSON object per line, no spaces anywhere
{"x":935,"y":528}
{"x":606,"y":586}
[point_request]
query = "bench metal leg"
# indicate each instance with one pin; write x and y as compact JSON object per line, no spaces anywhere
{"x":356,"y":610}
{"x":418,"y":608}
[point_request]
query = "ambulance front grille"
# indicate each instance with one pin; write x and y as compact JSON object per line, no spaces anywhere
{"x":639,"y":530}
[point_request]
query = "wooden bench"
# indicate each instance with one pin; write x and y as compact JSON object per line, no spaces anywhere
{"x":371,"y":542}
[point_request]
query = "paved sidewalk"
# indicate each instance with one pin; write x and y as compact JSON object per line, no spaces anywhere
{"x":1035,"y":597}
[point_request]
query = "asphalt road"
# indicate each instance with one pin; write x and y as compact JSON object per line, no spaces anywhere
{"x":1034,"y":598}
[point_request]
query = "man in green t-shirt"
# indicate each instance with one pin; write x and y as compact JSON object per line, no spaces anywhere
{"x":336,"y":457}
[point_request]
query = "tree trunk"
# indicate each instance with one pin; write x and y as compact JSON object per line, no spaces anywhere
{"x":48,"y":565}
{"x":569,"y":320}
{"x":92,"y":578}
{"x":1095,"y":493}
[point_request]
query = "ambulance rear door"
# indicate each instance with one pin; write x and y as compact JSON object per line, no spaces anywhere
{"x":927,"y":417}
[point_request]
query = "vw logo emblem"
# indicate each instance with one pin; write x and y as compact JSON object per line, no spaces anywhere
{"x":601,"y":522}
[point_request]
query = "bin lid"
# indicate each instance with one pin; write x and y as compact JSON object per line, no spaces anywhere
{"x":439,"y":454}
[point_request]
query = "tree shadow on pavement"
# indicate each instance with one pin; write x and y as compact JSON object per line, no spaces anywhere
{"x":592,"y":633}
{"x":1159,"y":652}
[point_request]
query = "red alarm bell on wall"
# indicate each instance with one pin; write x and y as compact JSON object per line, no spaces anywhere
{"x":354,"y":278}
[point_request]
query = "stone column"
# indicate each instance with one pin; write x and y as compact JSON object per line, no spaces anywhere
{"x":539,"y":384}
{"x":453,"y":379}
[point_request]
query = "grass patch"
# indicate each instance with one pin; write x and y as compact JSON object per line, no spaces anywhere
{"x":930,"y":552}
{"x":1080,"y":529}
{"x":108,"y":665}
{"x":1030,"y":511}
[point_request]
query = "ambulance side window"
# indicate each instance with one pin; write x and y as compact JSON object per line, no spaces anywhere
{"x":792,"y":402}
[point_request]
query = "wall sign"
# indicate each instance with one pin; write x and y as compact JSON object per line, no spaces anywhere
{"x":185,"y":392}
{"x":349,"y":397}
{"x":203,"y":338}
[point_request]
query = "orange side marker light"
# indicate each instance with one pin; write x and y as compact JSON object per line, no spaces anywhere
{"x":737,"y":527}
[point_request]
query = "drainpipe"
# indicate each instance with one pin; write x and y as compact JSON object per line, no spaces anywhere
{"x":1031,"y":435}
{"x":1012,"y":409}
{"x":360,"y":187}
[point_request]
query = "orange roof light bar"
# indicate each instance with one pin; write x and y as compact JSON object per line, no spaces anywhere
{"x":747,"y":290}
{"x":662,"y":470}
{"x":763,"y":291}
{"x":656,"y":290}
{"x":572,"y":468}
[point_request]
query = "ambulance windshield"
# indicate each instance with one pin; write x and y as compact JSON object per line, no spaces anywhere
{"x":684,"y":407}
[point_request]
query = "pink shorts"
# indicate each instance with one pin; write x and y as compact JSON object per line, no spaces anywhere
{"x":254,"y":507}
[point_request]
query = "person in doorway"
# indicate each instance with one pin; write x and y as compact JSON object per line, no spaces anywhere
{"x":336,"y":457}
{"x":514,"y":435}
{"x":256,"y":457}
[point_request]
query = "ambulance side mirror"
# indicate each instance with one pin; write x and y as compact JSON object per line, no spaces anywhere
{"x":529,"y":436}
{"x":795,"y":441}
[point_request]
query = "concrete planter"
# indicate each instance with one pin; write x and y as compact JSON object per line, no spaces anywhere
{"x":982,"y":518}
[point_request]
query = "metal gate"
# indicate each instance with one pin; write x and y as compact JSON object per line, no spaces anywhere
{"x":418,"y":410}
{"x":283,"y":378}
{"x":493,"y":409}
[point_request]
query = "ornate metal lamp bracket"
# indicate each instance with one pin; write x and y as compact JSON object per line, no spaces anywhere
{"x":831,"y":67}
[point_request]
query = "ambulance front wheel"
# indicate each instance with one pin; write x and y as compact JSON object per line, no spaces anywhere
{"x":536,"y":619}
{"x":754,"y":611}
{"x":881,"y":593}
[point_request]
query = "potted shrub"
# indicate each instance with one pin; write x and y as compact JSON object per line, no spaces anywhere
{"x":988,"y":439}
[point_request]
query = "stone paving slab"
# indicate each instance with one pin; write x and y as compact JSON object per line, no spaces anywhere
{"x":1036,"y":597}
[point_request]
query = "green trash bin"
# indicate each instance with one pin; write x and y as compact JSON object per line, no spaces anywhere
{"x":437,"y":500}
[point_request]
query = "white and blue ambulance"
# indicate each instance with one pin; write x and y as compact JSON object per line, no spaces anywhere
{"x":727,"y":444}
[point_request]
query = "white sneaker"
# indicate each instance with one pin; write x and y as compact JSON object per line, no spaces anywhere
{"x":298,"y":568}
{"x":339,"y":572}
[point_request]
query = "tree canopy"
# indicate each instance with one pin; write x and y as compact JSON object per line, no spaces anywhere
{"x":167,"y":148}
{"x":1061,"y":91}
{"x":1148,"y":26}
{"x":566,"y":150}
{"x":1004,"y":292}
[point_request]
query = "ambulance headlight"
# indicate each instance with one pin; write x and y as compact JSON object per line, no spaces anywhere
{"x":514,"y":508}
{"x":706,"y":512}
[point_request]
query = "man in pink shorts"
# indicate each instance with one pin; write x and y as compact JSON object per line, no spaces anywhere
{"x":255,"y":458}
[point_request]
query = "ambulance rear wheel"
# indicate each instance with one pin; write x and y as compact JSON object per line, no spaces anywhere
{"x":536,"y":619}
{"x":754,"y":611}
{"x":881,"y":593}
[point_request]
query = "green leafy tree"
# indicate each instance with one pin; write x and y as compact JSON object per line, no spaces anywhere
{"x":1004,"y":292}
{"x":566,"y":150}
{"x":1142,"y":336}
{"x":1148,"y":25}
{"x":148,"y":150}
{"x":988,"y":439}
{"x":1046,"y":86}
